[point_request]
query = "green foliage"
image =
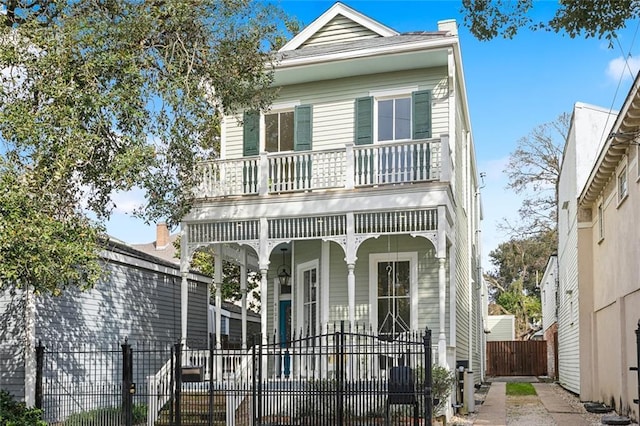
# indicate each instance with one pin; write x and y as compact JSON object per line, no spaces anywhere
{"x":107,"y":415}
{"x":40,"y":246}
{"x":488,"y":19}
{"x":14,"y":413}
{"x":101,"y":97}
{"x":520,"y":389}
{"x":521,"y":259}
{"x":443,"y":382}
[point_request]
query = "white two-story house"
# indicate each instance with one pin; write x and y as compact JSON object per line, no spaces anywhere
{"x":357,"y":191}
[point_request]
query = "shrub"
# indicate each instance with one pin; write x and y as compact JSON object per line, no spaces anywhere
{"x":443,"y":381}
{"x":104,"y":415}
{"x":14,"y":413}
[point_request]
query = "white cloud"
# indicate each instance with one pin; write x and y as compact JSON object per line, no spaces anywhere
{"x":619,"y":68}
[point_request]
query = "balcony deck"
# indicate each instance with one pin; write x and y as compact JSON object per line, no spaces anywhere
{"x":347,"y":168}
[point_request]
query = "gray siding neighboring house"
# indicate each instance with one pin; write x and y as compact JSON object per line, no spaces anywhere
{"x":138,"y":299}
{"x":501,"y":327}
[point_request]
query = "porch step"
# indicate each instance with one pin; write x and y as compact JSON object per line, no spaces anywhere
{"x":194,"y":410}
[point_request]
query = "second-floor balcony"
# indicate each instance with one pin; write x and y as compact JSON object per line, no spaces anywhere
{"x":350,"y":167}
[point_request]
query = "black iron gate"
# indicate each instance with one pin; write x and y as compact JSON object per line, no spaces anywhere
{"x":343,"y":377}
{"x":339,"y":377}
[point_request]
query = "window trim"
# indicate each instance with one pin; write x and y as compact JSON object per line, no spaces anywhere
{"x":275,"y":109}
{"x":374,"y":259}
{"x":298,"y":290}
{"x":622,"y":171}
{"x":264,"y":129}
{"x":600,"y":216}
{"x":388,"y":94}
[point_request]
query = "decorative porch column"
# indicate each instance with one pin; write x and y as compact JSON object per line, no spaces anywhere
{"x":243,"y":292}
{"x":351,"y":288}
{"x":350,"y":258}
{"x":263,"y":303}
{"x":184,"y":285}
{"x":442,"y":298}
{"x":218,"y":301}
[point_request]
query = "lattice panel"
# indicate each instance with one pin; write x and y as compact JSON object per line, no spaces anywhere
{"x":307,"y":227}
{"x":397,"y":222}
{"x":218,"y":232}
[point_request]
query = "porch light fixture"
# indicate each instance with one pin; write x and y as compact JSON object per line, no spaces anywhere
{"x":283,"y":272}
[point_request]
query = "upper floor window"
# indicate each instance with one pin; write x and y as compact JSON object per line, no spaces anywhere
{"x":622,"y":184}
{"x":399,"y":117}
{"x":600,"y":222}
{"x":287,"y":130}
{"x":394,"y":119}
{"x":279,"y":131}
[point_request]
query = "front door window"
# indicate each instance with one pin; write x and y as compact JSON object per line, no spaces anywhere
{"x":310,"y":301}
{"x":394,"y":303}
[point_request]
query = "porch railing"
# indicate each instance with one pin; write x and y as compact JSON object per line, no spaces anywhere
{"x":349,"y":167}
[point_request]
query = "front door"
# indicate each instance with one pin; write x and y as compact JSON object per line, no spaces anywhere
{"x":284,"y":316}
{"x":284,"y":335}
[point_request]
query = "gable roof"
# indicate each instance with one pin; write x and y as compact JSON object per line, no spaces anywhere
{"x":339,"y":23}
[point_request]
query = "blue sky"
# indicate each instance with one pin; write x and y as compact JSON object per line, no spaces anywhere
{"x":512,"y":86}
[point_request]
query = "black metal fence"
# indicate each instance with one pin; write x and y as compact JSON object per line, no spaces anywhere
{"x":344,"y":377}
{"x":338,"y":377}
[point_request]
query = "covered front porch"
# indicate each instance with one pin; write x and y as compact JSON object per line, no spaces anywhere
{"x":388,"y":270}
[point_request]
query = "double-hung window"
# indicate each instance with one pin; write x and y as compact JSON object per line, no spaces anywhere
{"x":394,"y":119}
{"x":284,"y":130}
{"x":622,"y":184}
{"x":279,"y":131}
{"x":400,"y":116}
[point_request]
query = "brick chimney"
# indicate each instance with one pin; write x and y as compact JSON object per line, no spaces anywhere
{"x":162,"y":236}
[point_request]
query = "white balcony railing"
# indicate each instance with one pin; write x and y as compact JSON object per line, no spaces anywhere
{"x":350,"y":167}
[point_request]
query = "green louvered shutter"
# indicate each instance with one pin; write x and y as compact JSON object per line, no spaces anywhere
{"x":251,"y":133}
{"x":364,"y":121}
{"x":421,"y":104}
{"x":302,"y":128}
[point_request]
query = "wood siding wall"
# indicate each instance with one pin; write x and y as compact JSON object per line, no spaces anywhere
{"x":139,"y":303}
{"x":131,"y":302}
{"x":334,"y":106}
{"x":517,"y":358}
{"x":12,"y":328}
{"x":339,"y":29}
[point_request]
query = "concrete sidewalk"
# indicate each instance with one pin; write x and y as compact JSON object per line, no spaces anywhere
{"x":563,"y":413}
{"x":494,"y":409}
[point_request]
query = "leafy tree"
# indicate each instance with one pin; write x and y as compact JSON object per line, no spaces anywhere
{"x":104,"y":96}
{"x":520,"y":260}
{"x":533,"y":170}
{"x":513,"y":284}
{"x":488,"y":19}
{"x":526,"y":308}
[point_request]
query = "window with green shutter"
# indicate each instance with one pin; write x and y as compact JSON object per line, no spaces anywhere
{"x":251,"y":133}
{"x":421,"y":102}
{"x":303,"y":128}
{"x":364,"y":120}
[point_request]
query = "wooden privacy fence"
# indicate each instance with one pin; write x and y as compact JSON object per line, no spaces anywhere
{"x":517,"y":358}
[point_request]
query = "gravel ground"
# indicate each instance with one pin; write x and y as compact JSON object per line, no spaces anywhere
{"x":529,"y":411}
